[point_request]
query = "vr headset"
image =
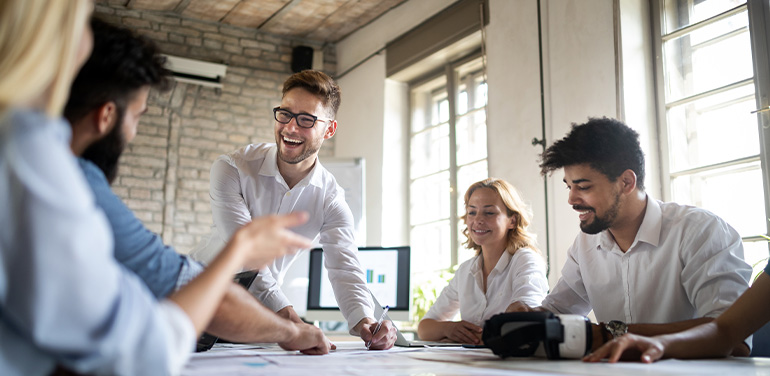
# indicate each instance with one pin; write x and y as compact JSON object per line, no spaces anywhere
{"x":526,"y":334}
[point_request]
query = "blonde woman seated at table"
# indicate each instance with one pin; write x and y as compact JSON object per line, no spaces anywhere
{"x":507,"y":266}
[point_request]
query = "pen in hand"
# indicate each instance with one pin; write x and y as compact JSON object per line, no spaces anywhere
{"x":379,"y":324}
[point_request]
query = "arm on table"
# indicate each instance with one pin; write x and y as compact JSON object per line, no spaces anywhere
{"x":717,"y":338}
{"x":254,"y":245}
{"x":454,"y":331}
{"x":242,"y":318}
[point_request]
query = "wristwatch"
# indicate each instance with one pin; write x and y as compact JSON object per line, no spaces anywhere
{"x":616,"y":327}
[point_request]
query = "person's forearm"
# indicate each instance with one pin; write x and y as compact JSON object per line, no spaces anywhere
{"x":680,"y":336}
{"x":242,"y":318}
{"x":650,"y":330}
{"x":430,"y":330}
{"x":727,"y":333}
{"x":704,"y":341}
{"x":199,"y":298}
{"x":601,"y":335}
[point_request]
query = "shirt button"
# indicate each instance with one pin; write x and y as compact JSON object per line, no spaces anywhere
{"x":288,"y":193}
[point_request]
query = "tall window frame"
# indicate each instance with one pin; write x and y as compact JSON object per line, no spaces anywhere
{"x":447,"y":152}
{"x":703,"y":105}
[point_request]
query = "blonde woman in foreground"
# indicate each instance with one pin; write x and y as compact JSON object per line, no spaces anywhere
{"x":65,"y":303}
{"x":507,"y":266}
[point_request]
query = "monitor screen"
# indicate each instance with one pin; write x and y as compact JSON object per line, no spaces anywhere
{"x":386,"y":271}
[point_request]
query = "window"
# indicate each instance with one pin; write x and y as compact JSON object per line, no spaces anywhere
{"x":448,"y":152}
{"x":708,"y":86}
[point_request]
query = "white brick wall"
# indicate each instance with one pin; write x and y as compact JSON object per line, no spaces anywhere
{"x":164,"y":175}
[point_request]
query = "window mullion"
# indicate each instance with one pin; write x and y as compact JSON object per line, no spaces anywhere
{"x":759,"y":27}
{"x":451,"y":79}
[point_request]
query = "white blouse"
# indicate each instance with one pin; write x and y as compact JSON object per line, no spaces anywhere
{"x":520,"y":276}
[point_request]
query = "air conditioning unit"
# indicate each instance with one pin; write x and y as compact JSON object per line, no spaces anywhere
{"x":196,"y":72}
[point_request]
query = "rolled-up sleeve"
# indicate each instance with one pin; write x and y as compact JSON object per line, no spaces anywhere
{"x":529,"y":284}
{"x":715,"y":273}
{"x":448,"y":302}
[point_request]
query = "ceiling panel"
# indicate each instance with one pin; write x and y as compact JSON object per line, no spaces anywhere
{"x":301,"y":18}
{"x":320,"y":20}
{"x":254,"y":13}
{"x":351,"y":16}
{"x":208,"y":10}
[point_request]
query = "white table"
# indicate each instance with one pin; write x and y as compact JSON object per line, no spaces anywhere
{"x":351,"y":358}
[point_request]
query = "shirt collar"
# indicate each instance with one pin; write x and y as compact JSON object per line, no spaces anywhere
{"x":35,"y":118}
{"x":649,"y":230}
{"x":270,"y":168}
{"x":502,"y":263}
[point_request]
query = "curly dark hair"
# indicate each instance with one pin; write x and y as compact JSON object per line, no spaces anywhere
{"x":607,"y":145}
{"x":120,"y":64}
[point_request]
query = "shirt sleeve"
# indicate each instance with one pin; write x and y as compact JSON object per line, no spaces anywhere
{"x":266,"y":289}
{"x":715,"y":273}
{"x":136,"y":247}
{"x":569,"y":296}
{"x":179,"y":334}
{"x":529,"y":284}
{"x":190,"y":270}
{"x":341,"y":261}
{"x":448,"y":302}
{"x":228,"y":208}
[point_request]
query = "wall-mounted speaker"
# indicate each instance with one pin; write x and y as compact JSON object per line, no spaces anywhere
{"x":301,"y":58}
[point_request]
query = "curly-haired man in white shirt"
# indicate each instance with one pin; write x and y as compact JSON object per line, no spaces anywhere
{"x":643,"y":266}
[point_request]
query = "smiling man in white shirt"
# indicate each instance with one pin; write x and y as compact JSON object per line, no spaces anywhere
{"x":264,"y":179}
{"x":642,"y":265}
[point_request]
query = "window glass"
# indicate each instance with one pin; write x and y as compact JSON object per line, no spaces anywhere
{"x":713,"y":129}
{"x":713,"y":138}
{"x":438,"y":179}
{"x":682,"y":13}
{"x":696,"y":62}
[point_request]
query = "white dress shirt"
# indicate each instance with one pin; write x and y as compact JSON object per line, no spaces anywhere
{"x":246,"y":184}
{"x":64,"y":299}
{"x":685,"y":263}
{"x":520,"y":276}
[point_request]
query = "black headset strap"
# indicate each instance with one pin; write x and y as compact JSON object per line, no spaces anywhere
{"x":521,"y":342}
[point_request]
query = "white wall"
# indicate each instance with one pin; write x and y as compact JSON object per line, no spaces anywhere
{"x":580,"y":81}
{"x":359,"y":133}
{"x":374,"y":36}
{"x":514,"y":103}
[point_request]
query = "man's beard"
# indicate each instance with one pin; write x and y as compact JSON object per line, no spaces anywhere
{"x":600,"y":224}
{"x":106,"y":152}
{"x":308,"y":151}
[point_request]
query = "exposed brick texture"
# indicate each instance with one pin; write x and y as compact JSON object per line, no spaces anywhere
{"x":164,"y":175}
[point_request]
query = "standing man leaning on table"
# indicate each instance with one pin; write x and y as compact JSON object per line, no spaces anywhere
{"x":263,"y":179}
{"x":643,"y":266}
{"x":107,"y":98}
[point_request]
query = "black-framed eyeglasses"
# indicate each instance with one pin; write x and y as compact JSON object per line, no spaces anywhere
{"x":303,"y":120}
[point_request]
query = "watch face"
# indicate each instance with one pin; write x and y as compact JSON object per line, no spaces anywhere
{"x":617,"y":328}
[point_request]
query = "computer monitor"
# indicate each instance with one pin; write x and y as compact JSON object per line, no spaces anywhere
{"x":386,"y":270}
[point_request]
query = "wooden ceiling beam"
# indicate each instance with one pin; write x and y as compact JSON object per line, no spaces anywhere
{"x":181,"y":6}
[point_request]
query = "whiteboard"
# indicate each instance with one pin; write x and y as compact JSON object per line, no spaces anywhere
{"x":350,"y":174}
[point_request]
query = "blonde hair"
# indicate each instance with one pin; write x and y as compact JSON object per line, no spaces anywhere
{"x":39,"y":42}
{"x":518,"y":237}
